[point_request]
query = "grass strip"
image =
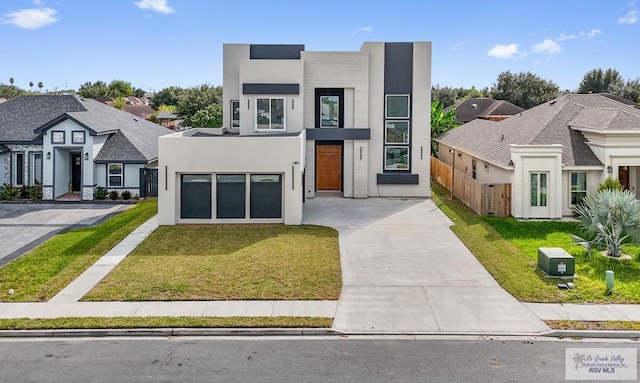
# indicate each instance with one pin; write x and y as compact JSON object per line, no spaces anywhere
{"x":593,"y":325}
{"x":47,"y":269}
{"x":164,"y":322}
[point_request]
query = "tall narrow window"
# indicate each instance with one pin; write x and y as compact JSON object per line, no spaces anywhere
{"x":538,"y":189}
{"x":235,"y":114}
{"x":578,"y":187}
{"x":474,"y":167}
{"x":397,"y":127}
{"x":37,"y":168}
{"x":329,"y":111}
{"x":270,"y":114}
{"x":19,"y":169}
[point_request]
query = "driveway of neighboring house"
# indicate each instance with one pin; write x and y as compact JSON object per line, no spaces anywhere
{"x":26,"y":225}
{"x":404,"y":270}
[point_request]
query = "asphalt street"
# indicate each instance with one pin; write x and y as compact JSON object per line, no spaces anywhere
{"x":288,"y":360}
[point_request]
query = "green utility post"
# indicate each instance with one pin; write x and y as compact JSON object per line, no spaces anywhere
{"x":609,"y":281}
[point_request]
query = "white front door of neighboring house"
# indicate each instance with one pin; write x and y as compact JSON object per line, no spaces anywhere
{"x":539,"y":195}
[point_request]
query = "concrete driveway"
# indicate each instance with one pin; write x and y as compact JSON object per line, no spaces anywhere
{"x":404,"y":270}
{"x":25,"y":225}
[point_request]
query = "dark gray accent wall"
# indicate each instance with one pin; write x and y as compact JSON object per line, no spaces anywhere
{"x":275,"y":51}
{"x":397,"y":179}
{"x":338,"y":134}
{"x":252,"y":88}
{"x":398,"y":68}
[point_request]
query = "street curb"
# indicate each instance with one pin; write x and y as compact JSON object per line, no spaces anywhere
{"x":168,"y":332}
{"x":603,"y":334}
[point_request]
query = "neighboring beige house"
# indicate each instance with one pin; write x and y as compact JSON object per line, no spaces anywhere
{"x":553,"y":154}
{"x":298,"y":124}
{"x":485,"y":108}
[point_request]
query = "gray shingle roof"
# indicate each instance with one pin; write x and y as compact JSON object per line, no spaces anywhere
{"x":555,"y":122}
{"x":484,"y":108}
{"x":19,"y":117}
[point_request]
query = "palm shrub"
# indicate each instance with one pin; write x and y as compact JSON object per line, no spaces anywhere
{"x":611,"y":218}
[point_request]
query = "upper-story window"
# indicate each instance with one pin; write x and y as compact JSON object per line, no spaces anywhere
{"x":397,"y":106}
{"x":397,"y":124}
{"x":77,"y":137}
{"x":270,"y":114}
{"x":329,"y":111}
{"x":235,"y":113}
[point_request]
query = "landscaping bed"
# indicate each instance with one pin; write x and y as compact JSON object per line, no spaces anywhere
{"x":507,"y":248}
{"x":228,"y":262}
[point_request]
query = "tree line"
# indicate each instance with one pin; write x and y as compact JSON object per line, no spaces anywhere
{"x":527,"y":90}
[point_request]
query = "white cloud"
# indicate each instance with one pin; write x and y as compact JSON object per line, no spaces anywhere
{"x":32,"y":18}
{"x":565,"y":36}
{"x":630,"y":17}
{"x":591,"y":34}
{"x":365,"y":29}
{"x":503,"y":51}
{"x":38,"y":2}
{"x":548,"y":46}
{"x":160,"y":6}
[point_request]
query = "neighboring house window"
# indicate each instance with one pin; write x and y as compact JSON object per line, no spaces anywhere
{"x":115,"y":175}
{"x":235,"y":113}
{"x":77,"y":137}
{"x":474,"y":167}
{"x":329,"y":111}
{"x":538,"y":189}
{"x":36,"y":174}
{"x":18,"y":169}
{"x":578,"y":187}
{"x":57,"y":137}
{"x":397,"y":123}
{"x":270,"y":114}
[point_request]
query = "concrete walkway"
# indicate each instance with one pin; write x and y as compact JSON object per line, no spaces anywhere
{"x":404,"y":270}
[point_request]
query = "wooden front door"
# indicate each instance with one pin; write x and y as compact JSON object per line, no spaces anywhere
{"x":329,"y":167}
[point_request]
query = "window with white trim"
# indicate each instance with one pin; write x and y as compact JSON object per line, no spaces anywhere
{"x":538,"y":188}
{"x":270,"y":114}
{"x":36,"y":173}
{"x":578,"y":187}
{"x":114,"y":176}
{"x":18,"y":169}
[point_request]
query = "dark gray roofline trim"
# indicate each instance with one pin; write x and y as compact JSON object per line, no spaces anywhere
{"x":396,"y":179}
{"x":35,"y":141}
{"x":338,"y":134}
{"x":275,"y":51}
{"x":60,"y":119}
{"x":254,"y":88}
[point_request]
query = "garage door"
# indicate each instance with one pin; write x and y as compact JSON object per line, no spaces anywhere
{"x":195,"y":196}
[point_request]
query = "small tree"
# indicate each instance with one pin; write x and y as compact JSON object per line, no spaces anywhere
{"x":611,"y":218}
{"x":11,"y":80}
{"x":40,"y":85}
{"x":30,"y":85}
{"x":441,"y":122}
{"x":610,"y":184}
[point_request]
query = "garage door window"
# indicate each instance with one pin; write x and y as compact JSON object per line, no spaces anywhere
{"x":195,"y":196}
{"x":266,"y":196}
{"x":230,"y":195}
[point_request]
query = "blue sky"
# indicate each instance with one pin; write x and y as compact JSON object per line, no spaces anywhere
{"x":158,"y":43}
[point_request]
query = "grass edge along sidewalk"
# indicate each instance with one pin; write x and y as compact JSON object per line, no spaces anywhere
{"x":47,"y":269}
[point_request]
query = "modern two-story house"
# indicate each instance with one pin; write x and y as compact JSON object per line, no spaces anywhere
{"x":72,"y":145}
{"x":299,"y":124}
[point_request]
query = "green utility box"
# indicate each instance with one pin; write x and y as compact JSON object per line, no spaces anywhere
{"x":556,"y":262}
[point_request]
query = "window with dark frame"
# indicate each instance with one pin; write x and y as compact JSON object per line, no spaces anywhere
{"x":397,"y":127}
{"x":19,"y":169}
{"x":270,"y":114}
{"x":235,"y":113}
{"x":578,"y":187}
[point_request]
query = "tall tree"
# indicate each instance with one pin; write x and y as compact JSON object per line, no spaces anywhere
{"x":629,"y":90}
{"x":30,"y":85}
{"x":599,"y":81}
{"x":93,"y":90}
{"x":139,"y":92}
{"x":11,"y":80}
{"x":209,"y":117}
{"x":167,"y":96}
{"x":441,"y":122}
{"x":10,"y":91}
{"x":119,"y":88}
{"x":524,"y":89}
{"x":40,"y":85}
{"x":197,"y":98}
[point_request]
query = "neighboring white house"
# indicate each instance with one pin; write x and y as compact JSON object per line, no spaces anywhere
{"x":553,"y":154}
{"x":69,"y":144}
{"x":348,"y":124}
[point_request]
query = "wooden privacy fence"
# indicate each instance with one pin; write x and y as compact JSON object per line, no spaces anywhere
{"x":483,"y":198}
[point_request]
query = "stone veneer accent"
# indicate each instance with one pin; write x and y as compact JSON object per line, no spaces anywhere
{"x":5,"y":169}
{"x":87,"y":193}
{"x":47,"y":193}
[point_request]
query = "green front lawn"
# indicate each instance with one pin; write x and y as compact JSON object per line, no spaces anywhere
{"x":228,"y":262}
{"x":508,"y":249}
{"x":42,"y":273}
